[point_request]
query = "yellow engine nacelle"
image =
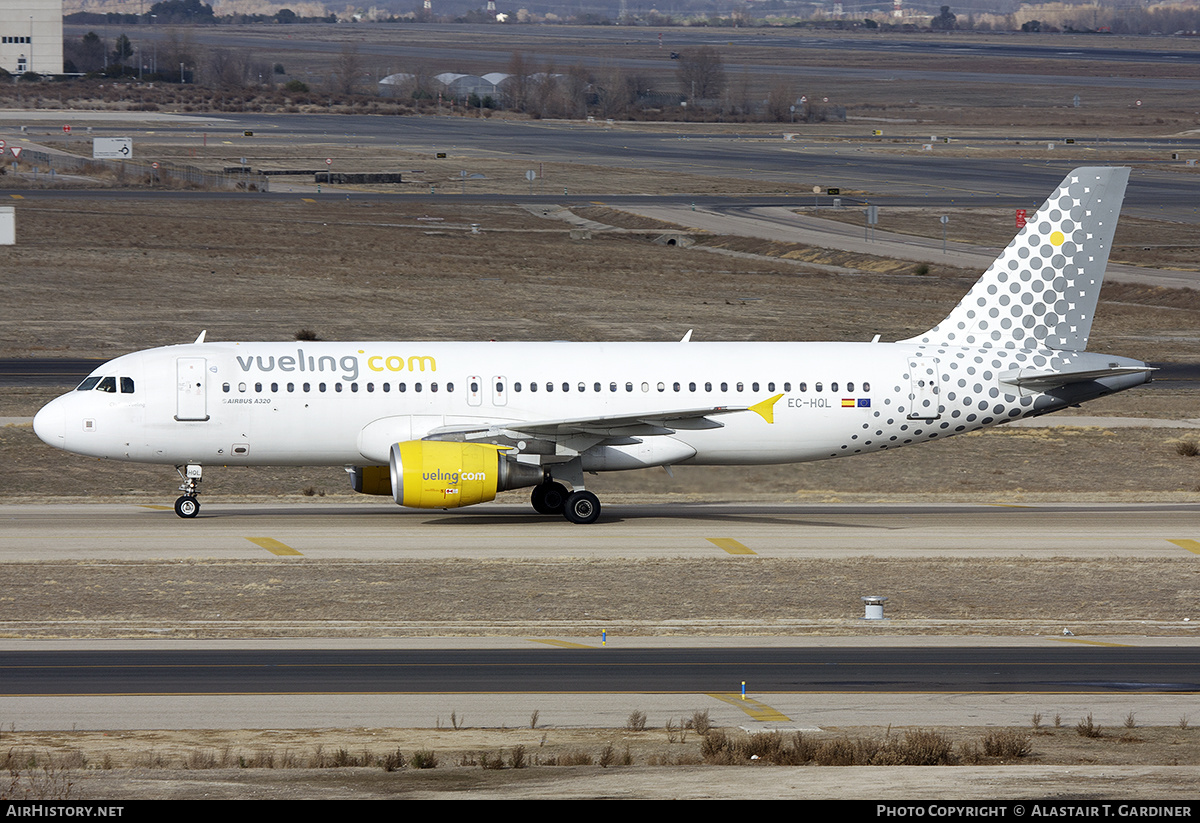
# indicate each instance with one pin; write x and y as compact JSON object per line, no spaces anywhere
{"x":437,"y":474}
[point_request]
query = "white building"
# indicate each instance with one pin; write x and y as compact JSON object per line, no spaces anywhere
{"x":31,"y":36}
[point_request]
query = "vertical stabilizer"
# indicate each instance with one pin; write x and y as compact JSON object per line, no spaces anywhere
{"x":1041,"y":292}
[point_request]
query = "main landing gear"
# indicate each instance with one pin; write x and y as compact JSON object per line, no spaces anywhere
{"x":187,"y":505}
{"x":553,"y":498}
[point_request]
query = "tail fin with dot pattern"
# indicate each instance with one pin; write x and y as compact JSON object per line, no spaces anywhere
{"x":1041,"y":292}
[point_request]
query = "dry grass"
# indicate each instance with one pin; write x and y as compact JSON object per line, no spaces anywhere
{"x":580,"y":597}
{"x":368,"y":762}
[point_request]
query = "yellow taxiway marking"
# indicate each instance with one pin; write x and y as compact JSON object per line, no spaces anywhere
{"x":756,"y":710}
{"x":1093,"y":642}
{"x":564,"y":644}
{"x":274,"y":546}
{"x":156,"y":508}
{"x":1009,"y":506}
{"x":730,"y":545}
{"x":1191,"y":545}
{"x":17,"y":196}
{"x":308,"y":200}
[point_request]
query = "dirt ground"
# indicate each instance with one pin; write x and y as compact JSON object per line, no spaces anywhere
{"x":1133,"y":762}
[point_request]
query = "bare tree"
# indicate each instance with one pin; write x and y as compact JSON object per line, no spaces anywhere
{"x":575,"y":89}
{"x":516,"y":87}
{"x":347,"y":69}
{"x":780,"y":99}
{"x":701,"y":73}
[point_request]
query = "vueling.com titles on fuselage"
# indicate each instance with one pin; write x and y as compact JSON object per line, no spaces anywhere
{"x":349,"y":364}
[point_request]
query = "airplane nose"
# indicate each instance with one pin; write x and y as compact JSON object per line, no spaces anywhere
{"x":50,"y":424}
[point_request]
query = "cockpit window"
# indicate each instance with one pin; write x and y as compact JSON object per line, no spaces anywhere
{"x":108,"y":384}
{"x":89,"y":384}
{"x":126,"y":385}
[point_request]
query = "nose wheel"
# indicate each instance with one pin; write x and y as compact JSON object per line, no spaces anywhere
{"x":187,"y":505}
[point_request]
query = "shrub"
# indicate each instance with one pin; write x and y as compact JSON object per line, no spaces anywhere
{"x":1087,"y":728}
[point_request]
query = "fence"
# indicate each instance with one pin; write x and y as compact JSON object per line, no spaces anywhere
{"x":165,"y":174}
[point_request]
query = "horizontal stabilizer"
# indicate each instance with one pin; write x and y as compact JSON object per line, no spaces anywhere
{"x":1043,"y":380}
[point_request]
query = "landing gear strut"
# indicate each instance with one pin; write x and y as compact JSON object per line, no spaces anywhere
{"x":187,"y":505}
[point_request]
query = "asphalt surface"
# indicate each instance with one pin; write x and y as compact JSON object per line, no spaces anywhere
{"x":376,"y":529}
{"x":1024,"y":670}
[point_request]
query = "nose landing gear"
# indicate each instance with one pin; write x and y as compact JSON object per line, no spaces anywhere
{"x":187,"y":505}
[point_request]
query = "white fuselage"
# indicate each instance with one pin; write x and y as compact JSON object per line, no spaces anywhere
{"x":347,"y":403}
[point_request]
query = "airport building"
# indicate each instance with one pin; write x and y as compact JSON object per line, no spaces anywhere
{"x":31,"y":36}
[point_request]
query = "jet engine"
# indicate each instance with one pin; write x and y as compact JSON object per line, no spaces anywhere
{"x":437,"y":474}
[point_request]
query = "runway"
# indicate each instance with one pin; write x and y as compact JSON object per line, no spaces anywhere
{"x":790,"y":683}
{"x":379,"y":530}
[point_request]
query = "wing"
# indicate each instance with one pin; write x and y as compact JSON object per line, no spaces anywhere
{"x":574,"y":435}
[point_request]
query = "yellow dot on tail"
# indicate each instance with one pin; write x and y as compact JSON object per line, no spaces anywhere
{"x":1057,"y":238}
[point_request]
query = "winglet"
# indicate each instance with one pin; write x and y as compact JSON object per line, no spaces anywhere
{"x":687,"y":337}
{"x":200,"y":339}
{"x":766,"y":409}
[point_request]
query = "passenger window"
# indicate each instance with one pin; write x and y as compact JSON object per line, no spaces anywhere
{"x":566,"y":386}
{"x":849,"y":387}
{"x":433,"y":387}
{"x":612,"y":386}
{"x":833,"y":387}
{"x":320,"y":387}
{"x":786,"y":387}
{"x":417,"y":387}
{"x":549,"y":386}
{"x":387,"y":387}
{"x":258,"y":387}
{"x":308,"y":387}
{"x":242,"y":387}
{"x":803,"y":387}
{"x":754,"y":386}
{"x":126,"y":385}
{"x":353,"y":387}
{"x":628,"y":387}
{"x":691,"y":386}
{"x":708,"y":386}
{"x":866,"y":386}
{"x":676,"y":387}
{"x":274,"y":387}
{"x":291,"y":387}
{"x":89,"y":384}
{"x":739,"y":386}
{"x":337,"y":387}
{"x":533,"y":387}
{"x":401,"y":387}
{"x":108,"y":384}
{"x":596,"y":387}
{"x":724,"y":387}
{"x":817,"y":387}
{"x":583,"y":387}
{"x":516,"y":386}
{"x":475,"y":386}
{"x":449,"y":387}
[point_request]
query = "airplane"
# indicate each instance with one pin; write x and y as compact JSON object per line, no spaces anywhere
{"x":441,"y":425}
